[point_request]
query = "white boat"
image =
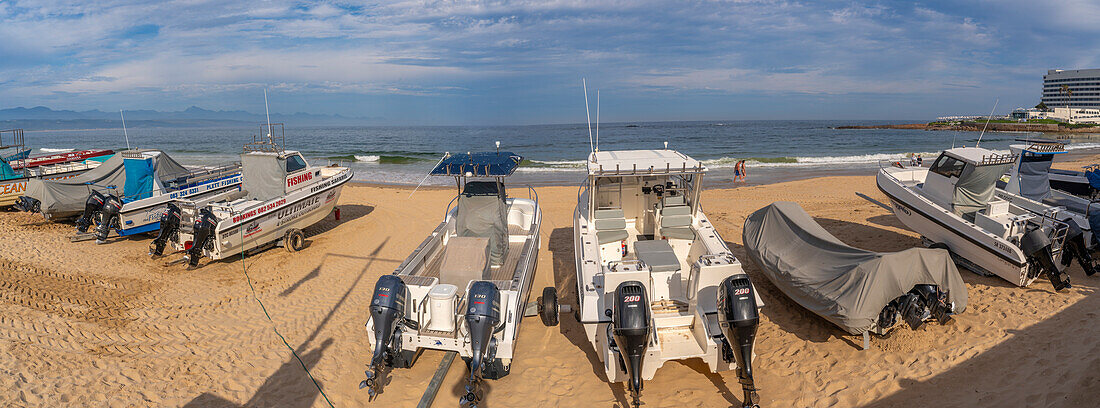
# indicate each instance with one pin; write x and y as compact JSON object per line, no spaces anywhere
{"x":138,"y":206}
{"x":281,"y":194}
{"x":655,"y":280}
{"x":953,"y":206}
{"x":465,"y":288}
{"x":1029,"y":186}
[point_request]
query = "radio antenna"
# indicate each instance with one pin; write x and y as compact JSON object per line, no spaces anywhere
{"x":268,"y":112}
{"x":591,"y":146}
{"x":987,"y":122}
{"x":124,"y":134}
{"x":597,"y":120}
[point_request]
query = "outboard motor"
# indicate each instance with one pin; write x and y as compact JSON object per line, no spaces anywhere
{"x":1075,"y":247}
{"x":203,"y":231}
{"x":738,"y":317}
{"x":1036,"y":245}
{"x":92,"y":205}
{"x":24,"y":203}
{"x":169,"y":227}
{"x":935,"y":301}
{"x":482,"y":317}
{"x":108,"y":218}
{"x":387,"y":310}
{"x":631,"y":332}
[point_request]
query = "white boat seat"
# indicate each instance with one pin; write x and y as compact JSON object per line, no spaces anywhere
{"x":657,"y":254}
{"x":464,"y":259}
{"x":679,"y":233}
{"x":676,"y":218}
{"x":610,"y":226}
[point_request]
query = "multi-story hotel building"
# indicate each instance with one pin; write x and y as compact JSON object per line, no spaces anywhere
{"x":1081,"y":88}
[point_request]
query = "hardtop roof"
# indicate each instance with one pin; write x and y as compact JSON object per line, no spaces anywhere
{"x":979,"y":156}
{"x":641,"y":162}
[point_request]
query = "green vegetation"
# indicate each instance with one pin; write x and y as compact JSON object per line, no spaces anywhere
{"x":1079,"y":125}
{"x":1042,"y":106}
{"x":1047,"y":121}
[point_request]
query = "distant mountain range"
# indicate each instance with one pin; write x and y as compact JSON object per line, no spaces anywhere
{"x":43,"y":118}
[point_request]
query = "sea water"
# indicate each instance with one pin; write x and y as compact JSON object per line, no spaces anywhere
{"x":555,"y":154}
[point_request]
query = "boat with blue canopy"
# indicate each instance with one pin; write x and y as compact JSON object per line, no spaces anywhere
{"x":464,"y":289}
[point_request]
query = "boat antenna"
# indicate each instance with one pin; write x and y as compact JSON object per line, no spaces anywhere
{"x":591,"y":146}
{"x":268,"y":112}
{"x":445,"y":155}
{"x":987,"y":122}
{"x":597,"y":120}
{"x":124,"y":134}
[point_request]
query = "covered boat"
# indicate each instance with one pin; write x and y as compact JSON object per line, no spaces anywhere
{"x":18,"y":166}
{"x":281,"y":194}
{"x":465,"y":288}
{"x":858,"y":290}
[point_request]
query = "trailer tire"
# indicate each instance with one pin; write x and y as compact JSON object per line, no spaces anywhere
{"x":294,"y":240}
{"x":548,"y":306}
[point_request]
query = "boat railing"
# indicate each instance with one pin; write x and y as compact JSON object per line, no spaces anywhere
{"x":996,"y":158}
{"x":17,"y":143}
{"x":635,"y":171}
{"x":1046,"y":147}
{"x":271,"y":139}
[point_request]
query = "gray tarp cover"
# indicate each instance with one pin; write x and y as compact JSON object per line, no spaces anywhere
{"x":845,"y":285}
{"x":264,"y":175}
{"x":1034,"y":176}
{"x":484,"y":216}
{"x":975,"y":187}
{"x":65,"y":198}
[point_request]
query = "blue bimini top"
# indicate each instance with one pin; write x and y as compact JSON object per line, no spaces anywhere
{"x":483,"y":164}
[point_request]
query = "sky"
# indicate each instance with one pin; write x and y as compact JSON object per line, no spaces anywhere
{"x":522,"y":62}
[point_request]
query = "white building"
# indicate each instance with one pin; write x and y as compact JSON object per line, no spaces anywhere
{"x":1082,"y":88}
{"x":1075,"y":115}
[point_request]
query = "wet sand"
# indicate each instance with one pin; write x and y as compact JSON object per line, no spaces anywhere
{"x":82,"y":324}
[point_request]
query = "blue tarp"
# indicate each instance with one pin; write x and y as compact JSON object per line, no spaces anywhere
{"x":1094,"y":178}
{"x":484,"y":164}
{"x":139,"y":179}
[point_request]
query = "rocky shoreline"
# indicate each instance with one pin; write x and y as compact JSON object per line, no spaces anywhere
{"x":977,"y":127}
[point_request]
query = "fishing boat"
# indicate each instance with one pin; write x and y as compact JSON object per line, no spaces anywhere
{"x":464,"y":289}
{"x":17,"y":165}
{"x":280,"y":195}
{"x":953,"y":205}
{"x":655,"y":280}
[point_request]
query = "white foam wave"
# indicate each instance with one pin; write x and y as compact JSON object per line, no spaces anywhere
{"x":559,"y":163}
{"x":1080,"y":146}
{"x":49,"y":150}
{"x":822,"y":161}
{"x":367,"y":158}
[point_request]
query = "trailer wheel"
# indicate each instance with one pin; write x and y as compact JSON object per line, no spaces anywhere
{"x":548,"y":306}
{"x":294,"y":240}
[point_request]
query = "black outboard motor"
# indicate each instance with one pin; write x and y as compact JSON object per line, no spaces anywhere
{"x":24,"y":203}
{"x":939,"y":308}
{"x":92,"y":206}
{"x":482,"y":318}
{"x":738,"y":317}
{"x":1036,"y":245}
{"x":108,"y":218}
{"x":631,"y":332}
{"x":169,"y":227}
{"x":387,"y":310}
{"x":203,"y":232}
{"x":1075,"y":247}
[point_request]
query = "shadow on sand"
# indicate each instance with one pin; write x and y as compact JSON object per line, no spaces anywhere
{"x":290,"y":385}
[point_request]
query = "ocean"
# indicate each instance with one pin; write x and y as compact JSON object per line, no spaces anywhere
{"x":555,"y":154}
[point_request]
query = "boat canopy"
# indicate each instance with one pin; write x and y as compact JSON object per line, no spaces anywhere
{"x":481,"y":164}
{"x":63,"y":198}
{"x":847,"y":286}
{"x":264,"y":175}
{"x":642,"y":162}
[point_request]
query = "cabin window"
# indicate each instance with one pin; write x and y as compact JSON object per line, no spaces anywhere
{"x":294,"y":163}
{"x":948,"y":166}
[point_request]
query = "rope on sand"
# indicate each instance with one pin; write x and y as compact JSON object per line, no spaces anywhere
{"x":276,"y":328}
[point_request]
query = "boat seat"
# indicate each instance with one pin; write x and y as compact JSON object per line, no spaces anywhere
{"x":676,"y":218}
{"x":657,"y":254}
{"x":464,"y":259}
{"x":610,"y":226}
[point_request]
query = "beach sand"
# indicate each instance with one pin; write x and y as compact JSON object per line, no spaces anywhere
{"x":82,"y":324}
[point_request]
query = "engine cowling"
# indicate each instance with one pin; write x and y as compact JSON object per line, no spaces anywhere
{"x":108,"y":217}
{"x":631,"y":329}
{"x":739,"y":318}
{"x":204,"y":228}
{"x":169,"y":227}
{"x":387,"y":308}
{"x":482,"y":318}
{"x":92,"y":205}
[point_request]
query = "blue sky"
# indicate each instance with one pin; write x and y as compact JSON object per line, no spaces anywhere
{"x":521,"y":62}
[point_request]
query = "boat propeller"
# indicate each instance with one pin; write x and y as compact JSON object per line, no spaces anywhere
{"x":482,"y":318}
{"x":738,"y":317}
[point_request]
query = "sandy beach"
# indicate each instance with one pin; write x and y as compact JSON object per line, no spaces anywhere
{"x":88,"y":325}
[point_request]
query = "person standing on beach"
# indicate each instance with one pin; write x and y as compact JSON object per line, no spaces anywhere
{"x":739,"y":171}
{"x":920,"y":160}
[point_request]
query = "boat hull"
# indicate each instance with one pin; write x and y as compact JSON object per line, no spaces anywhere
{"x":143,"y":215}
